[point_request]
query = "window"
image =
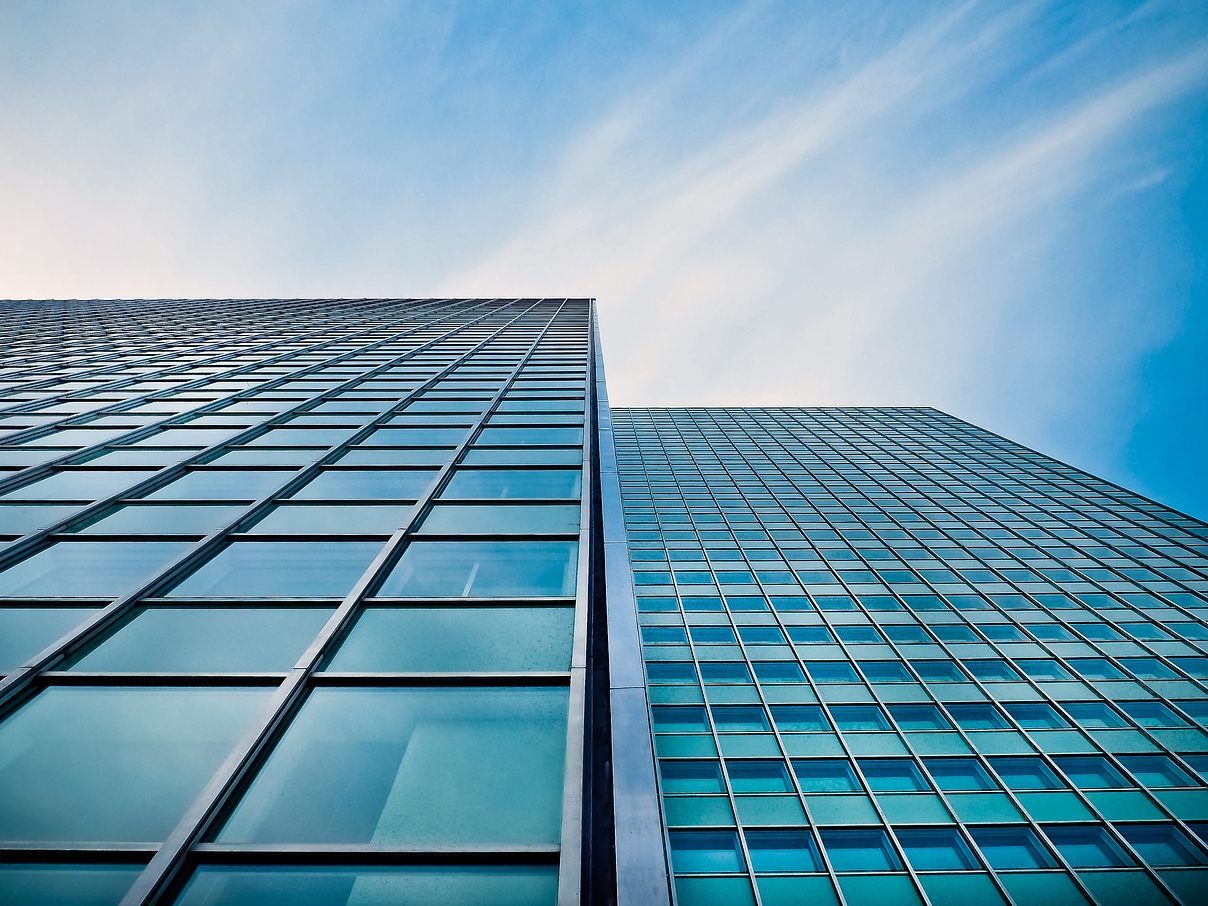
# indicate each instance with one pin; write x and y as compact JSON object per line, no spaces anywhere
{"x":1091,"y":772}
{"x":1009,"y":847}
{"x":739,"y":718}
{"x":1036,"y":716}
{"x":1162,"y":845}
{"x":206,"y":640}
{"x":706,"y":851}
{"x":513,"y":484}
{"x":977,"y":717}
{"x":799,"y":718}
{"x":1026,"y":774}
{"x":454,"y":884}
{"x":782,"y":851}
{"x":49,"y":884}
{"x":1157,"y":771}
{"x":457,"y":639}
{"x":956,"y":775}
{"x":71,"y":756}
{"x":892,"y":775}
{"x":936,"y":849}
{"x":91,"y":484}
{"x":222,"y":485}
{"x":1152,"y":714}
{"x":858,"y":717}
{"x":353,"y":484}
{"x":758,"y":776}
{"x":691,"y":777}
{"x":406,"y":766}
{"x":145,"y":519}
{"x":332,"y":519}
{"x":266,"y":569}
{"x":860,"y":850}
{"x":443,"y":569}
{"x":1095,"y":715}
{"x":1087,"y":847}
{"x":467,"y":519}
{"x":919,"y":717}
{"x":88,"y":569}
{"x":826,"y":775}
{"x":679,"y":719}
{"x":25,"y":631}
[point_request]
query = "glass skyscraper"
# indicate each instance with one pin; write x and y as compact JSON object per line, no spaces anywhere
{"x":377,"y":601}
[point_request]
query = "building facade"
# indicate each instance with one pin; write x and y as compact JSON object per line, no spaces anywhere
{"x":379,"y":601}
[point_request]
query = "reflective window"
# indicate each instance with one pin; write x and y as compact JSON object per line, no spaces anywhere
{"x":513,"y":484}
{"x":206,"y":640}
{"x":860,"y":850}
{"x":91,"y":484}
{"x":442,"y":569}
{"x":706,"y":851}
{"x":1012,"y":847}
{"x":163,"y":520}
{"x":300,"y":519}
{"x":70,"y":758}
{"x":88,"y":569}
{"x":224,"y":484}
{"x":936,"y":849}
{"x":415,"y":885}
{"x":1087,"y":847}
{"x":352,"y":484}
{"x":25,"y":631}
{"x":458,"y":639}
{"x":783,"y":851}
{"x":299,"y":569}
{"x":49,"y":884}
{"x":467,"y":519}
{"x":406,"y":766}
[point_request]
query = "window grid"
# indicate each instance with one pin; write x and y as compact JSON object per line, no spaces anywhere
{"x":496,"y":352}
{"x":900,"y":483}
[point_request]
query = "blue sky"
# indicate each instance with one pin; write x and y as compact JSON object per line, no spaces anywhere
{"x":998,"y":209}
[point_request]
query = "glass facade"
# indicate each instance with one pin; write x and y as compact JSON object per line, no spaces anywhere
{"x":375,"y":601}
{"x":893,"y":658}
{"x":289,"y":601}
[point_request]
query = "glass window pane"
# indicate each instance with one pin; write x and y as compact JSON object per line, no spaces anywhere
{"x":860,"y":850}
{"x":222,"y":484}
{"x":457,"y":639}
{"x":88,"y":569}
{"x":826,"y":775}
{"x":467,"y":519}
{"x":39,"y":884}
{"x":24,"y":631}
{"x":301,"y":519}
{"x":407,"y":766}
{"x":1012,"y":847}
{"x":414,"y":885}
{"x":1087,"y":847}
{"x":445,"y":569}
{"x":691,"y":777}
{"x":18,"y":519}
{"x":354,"y":484}
{"x":892,"y":775}
{"x":782,"y":850}
{"x":163,"y":520}
{"x":936,"y":849}
{"x":78,"y":485}
{"x":706,"y":851}
{"x":513,"y":484}
{"x":1163,"y":845}
{"x":280,"y":568}
{"x":71,"y":757}
{"x":207,"y":640}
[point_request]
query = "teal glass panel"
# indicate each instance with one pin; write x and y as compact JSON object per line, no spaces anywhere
{"x":693,"y":891}
{"x":302,"y":519}
{"x":88,"y":569}
{"x":1008,"y":848}
{"x":1163,"y":845}
{"x":280,"y":569}
{"x":860,"y":850}
{"x":468,"y":519}
{"x":406,"y":766}
{"x":679,"y":719}
{"x":352,"y":484}
{"x":782,"y":851}
{"x":892,"y":775}
{"x":799,"y":718}
{"x":444,"y":569}
{"x":706,"y":851}
{"x":70,"y":758}
{"x":762,"y":776}
{"x":414,"y":885}
{"x":1026,"y":774}
{"x":163,"y":520}
{"x":25,"y":631}
{"x":524,"y":456}
{"x":1087,"y":847}
{"x":78,"y":485}
{"x":1091,"y":772}
{"x":513,"y":484}
{"x":206,"y":640}
{"x":919,"y":717}
{"x":826,"y":775}
{"x":457,"y":639}
{"x":526,"y":436}
{"x":691,"y":777}
{"x":222,"y":484}
{"x":936,"y":849}
{"x":37,"y":884}
{"x":19,"y":519}
{"x":1157,"y":771}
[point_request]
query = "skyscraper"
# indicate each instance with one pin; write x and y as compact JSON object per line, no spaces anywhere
{"x":378,"y":601}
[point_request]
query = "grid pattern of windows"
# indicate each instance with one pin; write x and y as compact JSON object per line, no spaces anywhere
{"x":289,"y":600}
{"x":894,"y":658}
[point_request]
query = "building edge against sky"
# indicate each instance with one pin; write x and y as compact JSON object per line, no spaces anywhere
{"x":719,"y":655}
